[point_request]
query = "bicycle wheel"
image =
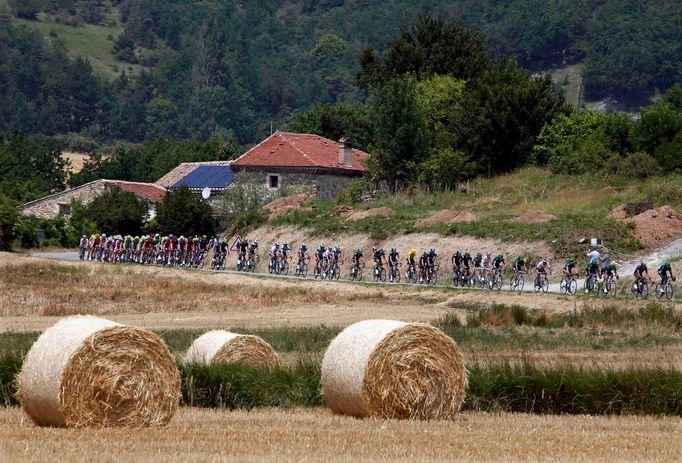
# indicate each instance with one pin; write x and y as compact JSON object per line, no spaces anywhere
{"x":396,"y":276}
{"x":545,"y":284}
{"x":375,"y":273}
{"x":573,"y":286}
{"x":455,"y":279}
{"x":537,"y":284}
{"x":660,"y":291}
{"x":564,"y":286}
{"x":645,"y":290}
{"x":613,"y":289}
{"x":270,"y":267}
{"x":285,"y":269}
{"x":519,"y":287}
{"x":512,"y":283}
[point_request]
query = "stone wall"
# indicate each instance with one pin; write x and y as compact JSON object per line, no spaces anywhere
{"x":325,"y":186}
{"x":49,"y":207}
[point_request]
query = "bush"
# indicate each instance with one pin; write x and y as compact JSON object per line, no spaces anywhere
{"x":184,"y":213}
{"x":117,"y":212}
{"x":352,"y":193}
{"x":9,"y":217}
{"x":636,"y":166}
{"x":580,"y":157}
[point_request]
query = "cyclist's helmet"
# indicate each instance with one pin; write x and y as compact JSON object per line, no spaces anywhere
{"x":458,"y":253}
{"x":359,"y":251}
{"x":393,"y":250}
{"x":413,"y":252}
{"x":479,"y":255}
{"x":433,"y":251}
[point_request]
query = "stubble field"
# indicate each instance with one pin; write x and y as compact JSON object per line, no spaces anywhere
{"x":317,"y":435}
{"x":299,"y":319}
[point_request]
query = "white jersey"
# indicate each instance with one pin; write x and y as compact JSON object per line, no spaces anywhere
{"x":274,"y":249}
{"x":487,"y":262}
{"x":594,"y":255}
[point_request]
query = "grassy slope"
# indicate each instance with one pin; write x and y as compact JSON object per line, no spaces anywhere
{"x":87,"y":41}
{"x":580,"y":203}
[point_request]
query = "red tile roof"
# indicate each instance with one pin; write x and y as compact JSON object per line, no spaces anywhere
{"x":149,"y":191}
{"x":283,"y":149}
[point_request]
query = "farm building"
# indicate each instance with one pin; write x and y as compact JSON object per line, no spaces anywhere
{"x":303,"y":160}
{"x":59,"y":204}
{"x":214,"y":175}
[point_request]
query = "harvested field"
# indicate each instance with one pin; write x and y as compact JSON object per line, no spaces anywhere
{"x":317,"y":435}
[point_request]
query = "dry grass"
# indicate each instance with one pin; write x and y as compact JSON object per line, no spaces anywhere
{"x":317,"y":435}
{"x":35,"y":292}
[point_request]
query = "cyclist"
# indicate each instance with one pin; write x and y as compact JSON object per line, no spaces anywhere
{"x":663,"y":271}
{"x":466,"y":262}
{"x":478,"y":261}
{"x":423,"y":265}
{"x":605,"y":259}
{"x":319,"y":255}
{"x":182,"y":249}
{"x":499,"y":264}
{"x":609,"y":271}
{"x":541,"y":269}
{"x":393,"y":257}
{"x":411,"y":263}
{"x":519,"y":264}
{"x":242,"y":245}
{"x":274,"y":255}
{"x":357,"y":255}
{"x":641,"y":272}
{"x":456,"y":261}
{"x":569,"y":266}
{"x":378,"y":258}
{"x":284,"y":250}
{"x":83,"y":247}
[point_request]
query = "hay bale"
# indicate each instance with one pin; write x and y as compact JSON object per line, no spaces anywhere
{"x":392,"y":369}
{"x":223,"y":347}
{"x":87,"y":371}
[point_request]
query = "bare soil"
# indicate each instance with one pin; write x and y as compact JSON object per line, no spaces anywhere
{"x":446,"y":216}
{"x":376,"y":212}
{"x":287,"y":205}
{"x":317,"y":435}
{"x":534,"y":217}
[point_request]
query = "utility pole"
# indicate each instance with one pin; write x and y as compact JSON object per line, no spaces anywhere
{"x":577,"y":106}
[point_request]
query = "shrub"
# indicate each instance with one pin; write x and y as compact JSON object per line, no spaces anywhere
{"x":9,"y":217}
{"x":117,"y":212}
{"x":184,"y":213}
{"x":637,"y":166}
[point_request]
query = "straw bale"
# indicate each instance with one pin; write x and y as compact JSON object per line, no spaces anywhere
{"x":87,"y":371}
{"x":393,"y":369}
{"x":223,"y":347}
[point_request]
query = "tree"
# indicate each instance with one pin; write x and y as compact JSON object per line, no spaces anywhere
{"x":506,"y":110}
{"x":400,"y":135}
{"x":118,"y":212}
{"x":184,"y":213}
{"x":336,"y":122}
{"x":430,"y":47}
{"x":565,"y":129}
{"x":9,"y":217}
{"x":658,"y":124}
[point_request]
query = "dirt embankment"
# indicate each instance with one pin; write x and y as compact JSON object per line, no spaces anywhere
{"x":447,"y":217}
{"x":445,"y":246}
{"x":287,"y":205}
{"x":652,"y":226}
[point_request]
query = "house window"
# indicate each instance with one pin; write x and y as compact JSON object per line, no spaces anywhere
{"x":64,"y":209}
{"x":273,"y":181}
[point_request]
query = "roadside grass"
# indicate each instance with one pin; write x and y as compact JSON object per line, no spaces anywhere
{"x":652,"y":314}
{"x":47,"y":289}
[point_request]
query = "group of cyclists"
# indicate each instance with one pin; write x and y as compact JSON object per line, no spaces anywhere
{"x":468,"y":270}
{"x":152,"y":249}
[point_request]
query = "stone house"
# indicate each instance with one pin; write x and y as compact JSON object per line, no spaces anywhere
{"x":303,"y":161}
{"x":59,"y":204}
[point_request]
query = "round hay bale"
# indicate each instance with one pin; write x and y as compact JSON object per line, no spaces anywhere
{"x":392,"y":369}
{"x":223,"y":347}
{"x":87,"y":371}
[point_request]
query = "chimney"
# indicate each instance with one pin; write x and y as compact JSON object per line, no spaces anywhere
{"x":345,"y":152}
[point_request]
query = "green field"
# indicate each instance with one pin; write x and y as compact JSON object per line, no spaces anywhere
{"x":88,"y":41}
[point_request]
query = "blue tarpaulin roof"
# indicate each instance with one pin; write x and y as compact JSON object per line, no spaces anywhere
{"x":215,"y":177}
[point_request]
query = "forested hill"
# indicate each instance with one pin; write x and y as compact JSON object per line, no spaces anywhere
{"x":195,"y":69}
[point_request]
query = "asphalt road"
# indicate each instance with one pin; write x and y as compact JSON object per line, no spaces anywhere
{"x":73,"y":256}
